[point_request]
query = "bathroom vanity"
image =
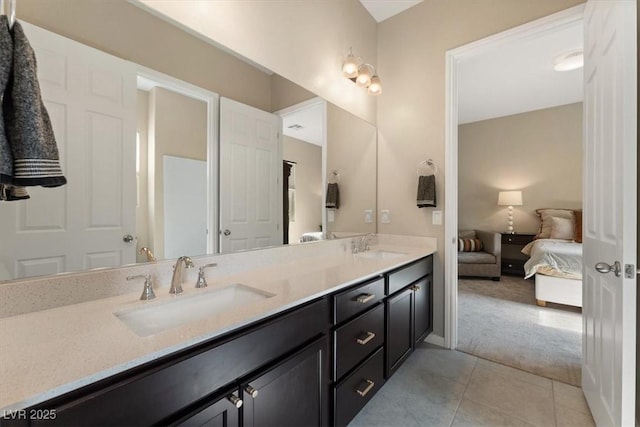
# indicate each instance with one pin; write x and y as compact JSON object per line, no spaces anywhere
{"x":315,"y":358}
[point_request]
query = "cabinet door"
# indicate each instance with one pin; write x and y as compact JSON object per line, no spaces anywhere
{"x":422,"y":304}
{"x":223,"y":412}
{"x":293,"y":393}
{"x":399,"y":329}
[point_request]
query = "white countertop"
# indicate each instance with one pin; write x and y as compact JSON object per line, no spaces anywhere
{"x":47,"y":353}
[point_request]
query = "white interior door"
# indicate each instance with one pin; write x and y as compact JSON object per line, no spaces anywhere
{"x":91,"y":98}
{"x":609,"y":299}
{"x":250,"y":173}
{"x":185,"y":212}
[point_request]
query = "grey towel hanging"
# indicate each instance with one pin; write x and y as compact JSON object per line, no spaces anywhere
{"x":426,"y":191}
{"x":29,"y":130}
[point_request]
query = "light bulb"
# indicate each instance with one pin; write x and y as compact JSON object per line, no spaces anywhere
{"x":364,"y":75}
{"x":350,"y":66}
{"x":375,"y":88}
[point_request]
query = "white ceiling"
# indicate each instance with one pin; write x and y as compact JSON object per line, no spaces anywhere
{"x":310,"y":120}
{"x":383,"y":9}
{"x":519,"y":77}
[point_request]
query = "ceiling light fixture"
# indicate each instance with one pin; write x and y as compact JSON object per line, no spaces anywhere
{"x":362,"y":74}
{"x":569,"y":61}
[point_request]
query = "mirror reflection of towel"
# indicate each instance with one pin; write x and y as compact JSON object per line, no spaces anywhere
{"x":333,"y":196}
{"x":426,"y":191}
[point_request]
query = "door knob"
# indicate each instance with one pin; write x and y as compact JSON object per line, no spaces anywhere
{"x":127,"y":238}
{"x":605,"y":268}
{"x":226,"y":232}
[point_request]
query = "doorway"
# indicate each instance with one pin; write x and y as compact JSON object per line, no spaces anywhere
{"x":455,"y":60}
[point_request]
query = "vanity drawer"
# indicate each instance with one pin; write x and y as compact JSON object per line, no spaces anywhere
{"x":406,"y":275}
{"x":357,"y":339}
{"x":353,"y":301}
{"x":358,"y":388}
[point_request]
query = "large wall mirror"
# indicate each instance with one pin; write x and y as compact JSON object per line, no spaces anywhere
{"x":320,"y":143}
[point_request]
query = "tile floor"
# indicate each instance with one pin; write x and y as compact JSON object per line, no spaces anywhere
{"x":438,"y":387}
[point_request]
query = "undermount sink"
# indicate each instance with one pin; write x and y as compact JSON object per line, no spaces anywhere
{"x":380,"y":254}
{"x":163,"y":315}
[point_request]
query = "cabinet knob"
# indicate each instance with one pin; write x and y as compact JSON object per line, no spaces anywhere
{"x":365,"y":298}
{"x":235,"y":400}
{"x":368,"y":385}
{"x":415,"y":288}
{"x":369,"y":337}
{"x":251,"y":391}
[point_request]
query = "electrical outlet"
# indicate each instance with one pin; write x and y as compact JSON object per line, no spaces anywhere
{"x":385,"y":216}
{"x":368,"y":216}
{"x":436,"y":217}
{"x":330,"y":216}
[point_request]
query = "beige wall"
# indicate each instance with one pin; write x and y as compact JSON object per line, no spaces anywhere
{"x":285,"y":93}
{"x":308,"y":185}
{"x":304,"y":41}
{"x":124,"y":30}
{"x":142,"y":205}
{"x":539,"y":153}
{"x":178,"y":127}
{"x":411,"y":111}
{"x":351,"y":150}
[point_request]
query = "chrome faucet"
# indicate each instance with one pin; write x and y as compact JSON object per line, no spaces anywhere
{"x":149,"y":254}
{"x":363,"y":243}
{"x":176,"y":280}
{"x":202,"y":282}
{"x":147,"y":292}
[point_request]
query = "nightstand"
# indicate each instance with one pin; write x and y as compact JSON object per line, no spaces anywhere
{"x":512,"y":259}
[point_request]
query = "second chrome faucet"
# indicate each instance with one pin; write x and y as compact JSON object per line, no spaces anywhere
{"x":176,"y":280}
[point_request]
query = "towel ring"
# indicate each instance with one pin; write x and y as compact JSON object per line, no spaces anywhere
{"x":334,"y":177}
{"x":429,"y":163}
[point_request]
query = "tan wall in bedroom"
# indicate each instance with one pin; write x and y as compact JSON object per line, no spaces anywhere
{"x":308,"y":185}
{"x":539,"y":153}
{"x":126,"y":31}
{"x":411,"y":110}
{"x":179,"y":129}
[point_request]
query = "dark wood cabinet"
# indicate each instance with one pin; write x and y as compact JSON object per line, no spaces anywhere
{"x":422,"y":307}
{"x":513,"y":259}
{"x":293,"y":393}
{"x":399,"y":329}
{"x":222,"y":412}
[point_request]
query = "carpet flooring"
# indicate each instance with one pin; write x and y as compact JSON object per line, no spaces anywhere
{"x":500,"y":321}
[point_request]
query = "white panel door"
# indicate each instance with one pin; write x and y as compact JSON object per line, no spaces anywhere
{"x":250,"y":172}
{"x":185,"y":212}
{"x":609,"y":298}
{"x":91,"y":98}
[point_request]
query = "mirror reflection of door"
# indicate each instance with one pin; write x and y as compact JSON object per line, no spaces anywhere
{"x":171,"y":173}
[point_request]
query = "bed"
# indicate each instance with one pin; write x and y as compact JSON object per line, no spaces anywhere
{"x":556,"y":257}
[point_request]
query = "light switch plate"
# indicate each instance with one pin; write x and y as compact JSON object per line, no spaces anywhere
{"x":368,"y":216}
{"x":330,"y":216}
{"x":436,"y":217}
{"x":385,"y":216}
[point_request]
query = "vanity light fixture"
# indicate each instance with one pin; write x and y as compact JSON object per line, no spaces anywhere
{"x":569,"y":61}
{"x":362,"y":74}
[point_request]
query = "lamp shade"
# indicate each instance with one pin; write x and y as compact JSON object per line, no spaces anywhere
{"x":510,"y":198}
{"x":350,"y":66}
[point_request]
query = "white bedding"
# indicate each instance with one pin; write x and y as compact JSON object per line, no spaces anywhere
{"x":558,"y":258}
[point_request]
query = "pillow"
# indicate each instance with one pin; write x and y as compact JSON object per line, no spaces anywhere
{"x":469,"y":245}
{"x":562,"y":228}
{"x":578,"y":235}
{"x":546,"y":223}
{"x":467,"y":234}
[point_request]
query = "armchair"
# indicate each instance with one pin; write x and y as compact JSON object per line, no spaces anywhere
{"x":485,"y":263}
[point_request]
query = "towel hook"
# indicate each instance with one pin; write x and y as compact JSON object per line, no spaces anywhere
{"x":334,"y":177}
{"x":429,"y":163}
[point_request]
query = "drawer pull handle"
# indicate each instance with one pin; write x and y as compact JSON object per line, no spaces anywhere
{"x":415,"y":288}
{"x":363,"y":341}
{"x":235,"y":400}
{"x":365,"y":298}
{"x":251,"y":391}
{"x":367,"y":389}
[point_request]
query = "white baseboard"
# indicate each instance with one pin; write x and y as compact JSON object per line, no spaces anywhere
{"x":435,"y":339}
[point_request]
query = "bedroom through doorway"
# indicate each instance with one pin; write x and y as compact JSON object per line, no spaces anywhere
{"x":520,"y":131}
